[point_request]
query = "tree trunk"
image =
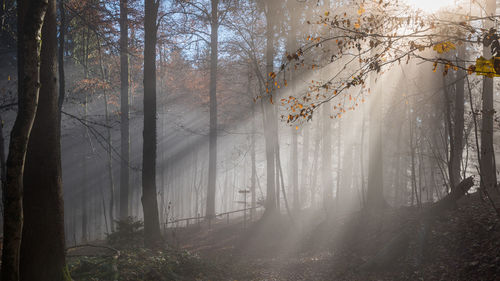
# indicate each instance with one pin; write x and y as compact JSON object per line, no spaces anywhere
{"x":326,"y":163}
{"x":149,"y":201}
{"x":294,"y":170}
{"x":362,"y":160}
{"x":212,"y":154}
{"x":62,"y":40}
{"x":43,"y":236}
{"x":313,"y":173}
{"x":252,"y":153}
{"x":375,"y":191}
{"x":458,"y":129}
{"x":268,"y":117}
{"x":110,"y":166}
{"x":3,"y":168}
{"x":305,"y":161}
{"x":488,"y":169}
{"x":30,"y":21}
{"x":85,"y":136}
{"x":124,"y":108}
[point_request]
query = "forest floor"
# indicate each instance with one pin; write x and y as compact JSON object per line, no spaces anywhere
{"x":460,"y":244}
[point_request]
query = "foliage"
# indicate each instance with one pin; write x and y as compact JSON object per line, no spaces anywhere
{"x":350,"y":37}
{"x":128,"y":234}
{"x":142,"y":264}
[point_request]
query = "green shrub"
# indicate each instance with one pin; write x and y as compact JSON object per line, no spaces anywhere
{"x":129,"y":233}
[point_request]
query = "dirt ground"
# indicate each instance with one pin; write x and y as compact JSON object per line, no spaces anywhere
{"x":461,"y":244}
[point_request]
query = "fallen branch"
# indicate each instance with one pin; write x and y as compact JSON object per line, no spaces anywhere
{"x":116,"y":251}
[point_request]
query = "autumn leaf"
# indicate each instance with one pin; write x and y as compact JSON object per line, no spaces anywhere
{"x":489,"y":68}
{"x":361,"y":10}
{"x":471,"y":69}
{"x":444,"y":47}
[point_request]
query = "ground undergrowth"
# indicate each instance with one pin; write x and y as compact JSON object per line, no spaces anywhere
{"x":461,"y":244}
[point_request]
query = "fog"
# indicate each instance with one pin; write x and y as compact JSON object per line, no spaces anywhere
{"x":267,"y":140}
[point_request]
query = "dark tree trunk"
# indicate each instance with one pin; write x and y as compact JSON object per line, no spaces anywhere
{"x":3,"y":168}
{"x":124,"y":107}
{"x":43,"y":231}
{"x":149,"y":201}
{"x":488,"y":169}
{"x":30,"y":21}
{"x":62,"y":34}
{"x":212,"y":154}
{"x":458,"y":129}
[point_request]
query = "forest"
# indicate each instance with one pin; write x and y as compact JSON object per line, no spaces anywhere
{"x":249,"y":140}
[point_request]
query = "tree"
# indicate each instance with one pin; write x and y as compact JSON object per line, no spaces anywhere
{"x":124,"y":106}
{"x":488,"y":169}
{"x":269,"y":118}
{"x":43,"y":230}
{"x":30,"y":21}
{"x":149,"y":201}
{"x":375,"y":188}
{"x":458,"y":129}
{"x":212,"y":157}
{"x":294,"y":161}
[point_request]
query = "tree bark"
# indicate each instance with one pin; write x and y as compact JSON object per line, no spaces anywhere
{"x":149,"y":201}
{"x":62,"y":34}
{"x":124,"y":108}
{"x":252,"y":152}
{"x":488,"y":169}
{"x":458,"y":129}
{"x":212,"y":154}
{"x":85,"y":136}
{"x":294,"y":171}
{"x":326,"y":163}
{"x":43,"y":254}
{"x":268,"y":118}
{"x":30,"y":21}
{"x":3,"y":168}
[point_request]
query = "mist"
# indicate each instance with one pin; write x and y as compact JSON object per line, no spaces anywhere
{"x":249,"y":140}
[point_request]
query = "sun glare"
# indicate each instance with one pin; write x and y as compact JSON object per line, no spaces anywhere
{"x":430,"y":6}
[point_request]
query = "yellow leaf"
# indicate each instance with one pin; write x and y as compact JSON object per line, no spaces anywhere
{"x":327,"y":14}
{"x":361,"y":10}
{"x":444,"y":47}
{"x":489,"y":68}
{"x":296,"y":127}
{"x":357,"y":25}
{"x":8,"y":78}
